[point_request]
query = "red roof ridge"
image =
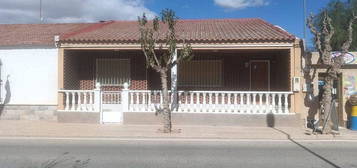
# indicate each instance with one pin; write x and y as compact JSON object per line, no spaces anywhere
{"x":279,"y":29}
{"x":43,"y":24}
{"x":219,"y":19}
{"x":87,"y":29}
{"x":195,"y":20}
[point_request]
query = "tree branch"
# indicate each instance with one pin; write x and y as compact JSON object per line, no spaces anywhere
{"x":347,"y":44}
{"x":327,"y":32}
{"x":316,"y":33}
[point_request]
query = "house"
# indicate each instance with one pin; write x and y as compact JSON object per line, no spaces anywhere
{"x":242,"y":70}
{"x":29,"y":78}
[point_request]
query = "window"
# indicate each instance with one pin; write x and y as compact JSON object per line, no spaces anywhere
{"x":113,"y":72}
{"x":202,"y":73}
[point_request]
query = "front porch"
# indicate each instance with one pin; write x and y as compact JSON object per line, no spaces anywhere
{"x":110,"y":83}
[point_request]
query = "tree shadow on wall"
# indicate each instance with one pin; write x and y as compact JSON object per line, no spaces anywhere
{"x":7,"y":95}
{"x":310,"y":100}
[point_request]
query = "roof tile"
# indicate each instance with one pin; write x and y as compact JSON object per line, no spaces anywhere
{"x":35,"y":34}
{"x":194,"y":31}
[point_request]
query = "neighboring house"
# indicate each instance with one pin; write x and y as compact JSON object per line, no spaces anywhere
{"x":29,"y":69}
{"x":344,"y":86}
{"x":243,"y":69}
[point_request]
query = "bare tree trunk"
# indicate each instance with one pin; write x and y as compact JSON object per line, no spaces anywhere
{"x":326,"y":101}
{"x":166,"y":104}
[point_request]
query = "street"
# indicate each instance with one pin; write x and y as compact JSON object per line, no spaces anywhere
{"x":97,"y":153}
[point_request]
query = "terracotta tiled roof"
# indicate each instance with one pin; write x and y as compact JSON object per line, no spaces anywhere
{"x":35,"y":34}
{"x":194,"y":31}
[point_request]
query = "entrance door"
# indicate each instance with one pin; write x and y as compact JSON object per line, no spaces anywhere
{"x":111,"y":107}
{"x":259,"y":75}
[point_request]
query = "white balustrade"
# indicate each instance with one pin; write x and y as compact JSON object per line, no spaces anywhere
{"x":111,"y":97}
{"x":79,"y":100}
{"x":236,"y":102}
{"x":232,"y":102}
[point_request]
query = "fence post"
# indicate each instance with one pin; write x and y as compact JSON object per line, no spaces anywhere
{"x":125,"y":97}
{"x":97,"y":96}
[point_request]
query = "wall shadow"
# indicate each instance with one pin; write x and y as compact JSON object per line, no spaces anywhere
{"x":348,"y":111}
{"x":307,"y":149}
{"x":7,"y":95}
{"x":270,"y":120}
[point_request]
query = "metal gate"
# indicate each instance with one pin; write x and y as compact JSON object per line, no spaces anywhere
{"x":111,"y":107}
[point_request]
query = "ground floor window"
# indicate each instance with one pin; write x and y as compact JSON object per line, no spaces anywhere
{"x":201,"y":73}
{"x":112,"y":71}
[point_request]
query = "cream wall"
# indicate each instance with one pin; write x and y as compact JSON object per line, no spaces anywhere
{"x":297,"y":99}
{"x":32,"y":75}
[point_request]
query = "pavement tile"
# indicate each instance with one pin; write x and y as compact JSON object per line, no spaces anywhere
{"x":23,"y":128}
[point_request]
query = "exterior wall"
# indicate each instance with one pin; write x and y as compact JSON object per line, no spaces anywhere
{"x":31,"y":74}
{"x":298,"y":97}
{"x":236,"y":75}
{"x":80,"y":68}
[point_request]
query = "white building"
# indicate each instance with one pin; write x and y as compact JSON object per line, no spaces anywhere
{"x":29,"y":68}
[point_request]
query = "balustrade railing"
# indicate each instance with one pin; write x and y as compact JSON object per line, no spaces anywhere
{"x":212,"y":102}
{"x":79,"y":100}
{"x":235,"y":102}
{"x":111,"y":97}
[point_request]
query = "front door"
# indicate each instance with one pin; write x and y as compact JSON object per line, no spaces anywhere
{"x":259,"y":75}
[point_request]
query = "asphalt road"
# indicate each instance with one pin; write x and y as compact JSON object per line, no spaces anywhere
{"x":181,"y":154}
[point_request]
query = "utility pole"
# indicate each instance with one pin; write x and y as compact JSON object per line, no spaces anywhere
{"x":305,"y":22}
{"x":41,"y":18}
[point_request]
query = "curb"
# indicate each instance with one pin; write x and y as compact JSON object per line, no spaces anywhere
{"x":188,"y":139}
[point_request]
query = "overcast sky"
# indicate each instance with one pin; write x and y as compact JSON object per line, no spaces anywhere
{"x":28,"y":11}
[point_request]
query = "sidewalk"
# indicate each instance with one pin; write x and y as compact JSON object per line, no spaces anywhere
{"x":18,"y":128}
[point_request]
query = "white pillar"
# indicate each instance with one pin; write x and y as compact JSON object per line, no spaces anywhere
{"x":97,"y":97}
{"x":174,"y":74}
{"x":125,"y":98}
{"x":98,"y":102}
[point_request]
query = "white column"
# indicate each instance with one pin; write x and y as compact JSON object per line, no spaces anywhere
{"x":280,"y":106}
{"x":67,"y":101}
{"x":241,"y":103}
{"x":85,"y":107}
{"x":273,"y":104}
{"x":286,"y":104}
{"x":254,"y":107}
{"x":125,"y":98}
{"x":73,"y":107}
{"x":80,"y":105}
{"x":260,"y":107}
{"x":97,"y":98}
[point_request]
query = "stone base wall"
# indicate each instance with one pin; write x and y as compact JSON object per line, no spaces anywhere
{"x":78,"y":117}
{"x":28,"y":112}
{"x":217,"y":119}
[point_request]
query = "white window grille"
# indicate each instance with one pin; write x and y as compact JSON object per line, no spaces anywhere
{"x":201,"y":73}
{"x":112,"y":72}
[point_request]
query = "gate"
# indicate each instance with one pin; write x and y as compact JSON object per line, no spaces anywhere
{"x":111,"y":107}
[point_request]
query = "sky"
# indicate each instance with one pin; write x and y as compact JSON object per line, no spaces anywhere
{"x":287,"y":14}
